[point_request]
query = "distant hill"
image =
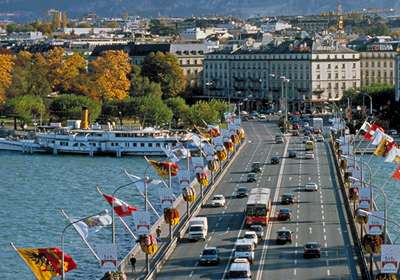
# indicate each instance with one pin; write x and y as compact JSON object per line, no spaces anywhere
{"x":30,"y":9}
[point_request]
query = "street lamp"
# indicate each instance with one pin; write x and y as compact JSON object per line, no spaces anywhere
{"x":209,"y":85}
{"x":370,"y":101}
{"x":62,"y":238}
{"x":285,"y":80}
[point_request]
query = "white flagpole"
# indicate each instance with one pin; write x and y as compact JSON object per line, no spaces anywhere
{"x":120,"y":218}
{"x":16,"y":250}
{"x":82,"y":237}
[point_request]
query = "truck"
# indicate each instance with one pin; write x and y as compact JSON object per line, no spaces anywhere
{"x":198,"y":228}
{"x":318,"y":124}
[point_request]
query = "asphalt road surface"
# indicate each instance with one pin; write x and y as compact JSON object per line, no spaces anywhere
{"x":317,"y":216}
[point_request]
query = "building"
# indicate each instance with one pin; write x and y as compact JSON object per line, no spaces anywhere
{"x":308,"y":72}
{"x":197,"y":34}
{"x":275,"y":25}
{"x":397,"y":77}
{"x":377,"y":60}
{"x":312,"y":24}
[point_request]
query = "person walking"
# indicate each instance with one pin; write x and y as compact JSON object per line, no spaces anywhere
{"x":133,"y":263}
{"x":158,"y":232}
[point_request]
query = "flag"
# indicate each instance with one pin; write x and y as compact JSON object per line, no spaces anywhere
{"x":122,"y":208}
{"x":140,"y":182}
{"x":380,"y":149}
{"x":389,"y":146}
{"x":365,"y":127}
{"x":378,"y":136}
{"x":213,"y":130}
{"x":177,"y":153}
{"x":371,"y":131}
{"x":396,"y":174}
{"x":392,"y":154}
{"x":45,"y":263}
{"x":93,"y":224}
{"x":164,"y":168}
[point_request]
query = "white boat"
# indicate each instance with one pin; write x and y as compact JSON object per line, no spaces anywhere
{"x":119,"y":142}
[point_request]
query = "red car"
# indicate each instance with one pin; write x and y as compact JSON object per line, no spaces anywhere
{"x":296,"y":126}
{"x":284,"y":214}
{"x":312,"y":249}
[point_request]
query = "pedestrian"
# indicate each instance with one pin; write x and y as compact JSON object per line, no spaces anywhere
{"x":133,"y":263}
{"x":158,"y":232}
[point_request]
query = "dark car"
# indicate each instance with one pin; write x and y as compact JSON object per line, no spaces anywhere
{"x":283,"y":236}
{"x":275,"y":160}
{"x":209,"y":256}
{"x":292,"y":154}
{"x":284,"y":214}
{"x":256,"y":167}
{"x":251,"y":177}
{"x":287,"y":198}
{"x":242,"y":192}
{"x":295,"y":133}
{"x":312,"y":249}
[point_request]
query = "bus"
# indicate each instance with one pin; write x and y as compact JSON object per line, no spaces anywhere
{"x":309,"y":146}
{"x":258,"y":207}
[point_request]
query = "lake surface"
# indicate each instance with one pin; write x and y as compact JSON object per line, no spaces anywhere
{"x":34,"y":187}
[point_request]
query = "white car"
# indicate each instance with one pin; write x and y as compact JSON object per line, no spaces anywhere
{"x":251,"y":235}
{"x":393,"y":132}
{"x":306,"y":138}
{"x":309,"y":155}
{"x":218,"y":201}
{"x":262,"y":117}
{"x":311,"y":187}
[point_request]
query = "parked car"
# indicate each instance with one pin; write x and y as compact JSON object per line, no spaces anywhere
{"x":283,"y":236}
{"x":259,"y":230}
{"x":251,"y":177}
{"x":275,"y":160}
{"x":296,"y":126}
{"x":218,"y":201}
{"x":284,"y":214}
{"x":312,"y":249}
{"x":242,"y":192}
{"x":210,"y":255}
{"x":287,"y":198}
{"x":292,"y":154}
{"x":311,"y":187}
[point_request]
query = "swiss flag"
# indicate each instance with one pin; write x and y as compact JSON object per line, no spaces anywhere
{"x":369,"y":135}
{"x":396,"y":174}
{"x":122,"y":208}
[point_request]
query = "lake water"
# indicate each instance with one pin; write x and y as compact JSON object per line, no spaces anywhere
{"x":34,"y":187}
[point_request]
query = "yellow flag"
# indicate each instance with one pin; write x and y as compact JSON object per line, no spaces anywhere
{"x":38,"y":263}
{"x":380,"y":149}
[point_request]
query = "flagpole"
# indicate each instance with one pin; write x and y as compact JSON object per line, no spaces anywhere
{"x":83,"y":239}
{"x":16,"y":250}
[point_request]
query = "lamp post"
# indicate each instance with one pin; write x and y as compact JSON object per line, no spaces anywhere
{"x":208,"y":85}
{"x":62,"y":239}
{"x":370,"y":101}
{"x":285,"y":80}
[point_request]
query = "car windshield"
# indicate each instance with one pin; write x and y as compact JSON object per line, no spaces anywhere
{"x":288,"y":195}
{"x":312,"y":246}
{"x":217,"y":198}
{"x":249,"y":236}
{"x":256,"y":228}
{"x":243,"y":248}
{"x":256,"y":211}
{"x":283,"y":233}
{"x":238,"y":274}
{"x":242,"y":190}
{"x":196,"y":228}
{"x":209,"y":252}
{"x":284,"y":210}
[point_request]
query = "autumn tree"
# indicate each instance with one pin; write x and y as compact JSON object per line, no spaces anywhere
{"x":6,"y":66}
{"x":110,"y":76}
{"x":67,"y":75}
{"x":164,"y":69}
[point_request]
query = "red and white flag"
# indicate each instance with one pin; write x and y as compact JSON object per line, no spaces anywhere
{"x":122,"y":208}
{"x":396,"y":174}
{"x":371,"y":131}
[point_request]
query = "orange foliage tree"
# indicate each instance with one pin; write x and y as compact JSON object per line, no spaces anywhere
{"x":6,"y":66}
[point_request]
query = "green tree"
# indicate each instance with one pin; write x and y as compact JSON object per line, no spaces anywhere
{"x":26,"y":108}
{"x":141,"y":85}
{"x":164,"y":69}
{"x":151,"y":110}
{"x":221,"y":107}
{"x":157,"y":28}
{"x":179,"y":109}
{"x":69,"y":106}
{"x":202,"y":111}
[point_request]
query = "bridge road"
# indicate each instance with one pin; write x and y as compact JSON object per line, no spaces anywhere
{"x":225,"y":223}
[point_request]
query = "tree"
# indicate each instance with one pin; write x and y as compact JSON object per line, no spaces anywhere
{"x":141,"y":85}
{"x":109,"y":74}
{"x":26,"y":108}
{"x":179,"y":109}
{"x":6,"y":66}
{"x":164,"y":69}
{"x":202,"y":111}
{"x":152,"y":110}
{"x":69,"y":106}
{"x":67,"y":75}
{"x":157,"y":28}
{"x":221,"y":107}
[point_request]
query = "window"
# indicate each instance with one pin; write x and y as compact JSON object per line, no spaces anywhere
{"x":317,"y":66}
{"x":343,"y":65}
{"x":141,"y":144}
{"x":354,"y":65}
{"x":318,"y":77}
{"x":195,"y":61}
{"x":157,"y":144}
{"x":329,"y":76}
{"x":343,"y":85}
{"x":329,"y":66}
{"x":150,"y":144}
{"x":134,"y":144}
{"x":329,"y":85}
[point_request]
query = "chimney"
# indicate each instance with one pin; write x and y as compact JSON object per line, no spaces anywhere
{"x":85,"y":118}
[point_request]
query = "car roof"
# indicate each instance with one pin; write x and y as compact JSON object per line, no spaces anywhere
{"x":313,"y":243}
{"x":288,"y":194}
{"x":243,"y":188}
{"x":284,"y":209}
{"x":209,"y":248}
{"x":311,"y":183}
{"x":243,"y":241}
{"x":219,"y":195}
{"x":250,"y":232}
{"x":284,"y":230}
{"x":241,"y":260}
{"x":239,"y":266}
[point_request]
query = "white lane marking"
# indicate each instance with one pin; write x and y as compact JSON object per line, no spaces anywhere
{"x":269,"y":179}
{"x":278,"y":186}
{"x":324,"y":230}
{"x":323,"y":217}
{"x":295,"y":244}
{"x":191,"y":274}
{"x":309,"y":178}
{"x":294,"y":272}
{"x":324,"y":237}
{"x":328,"y":272}
{"x":310,"y":230}
{"x":326,"y":245}
{"x":290,"y":178}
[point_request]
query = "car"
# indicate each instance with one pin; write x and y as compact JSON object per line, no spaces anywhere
{"x":309,"y":155}
{"x":283,"y":236}
{"x":319,"y":138}
{"x":295,"y":133}
{"x":311,"y":187}
{"x":218,"y":200}
{"x":259,"y":230}
{"x":312,"y":249}
{"x":251,"y":235}
{"x":242,"y":192}
{"x":287,"y":198}
{"x":284,"y":214}
{"x":296,"y":126}
{"x":306,"y":139}
{"x":251,"y":177}
{"x":393,"y":132}
{"x":275,"y":160}
{"x":210,"y":255}
{"x":292,"y":154}
{"x":256,"y":167}
{"x":244,"y":248}
{"x":312,"y":138}
{"x":317,"y":131}
{"x":279,"y":139}
{"x":240,"y":269}
{"x":262,"y":116}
